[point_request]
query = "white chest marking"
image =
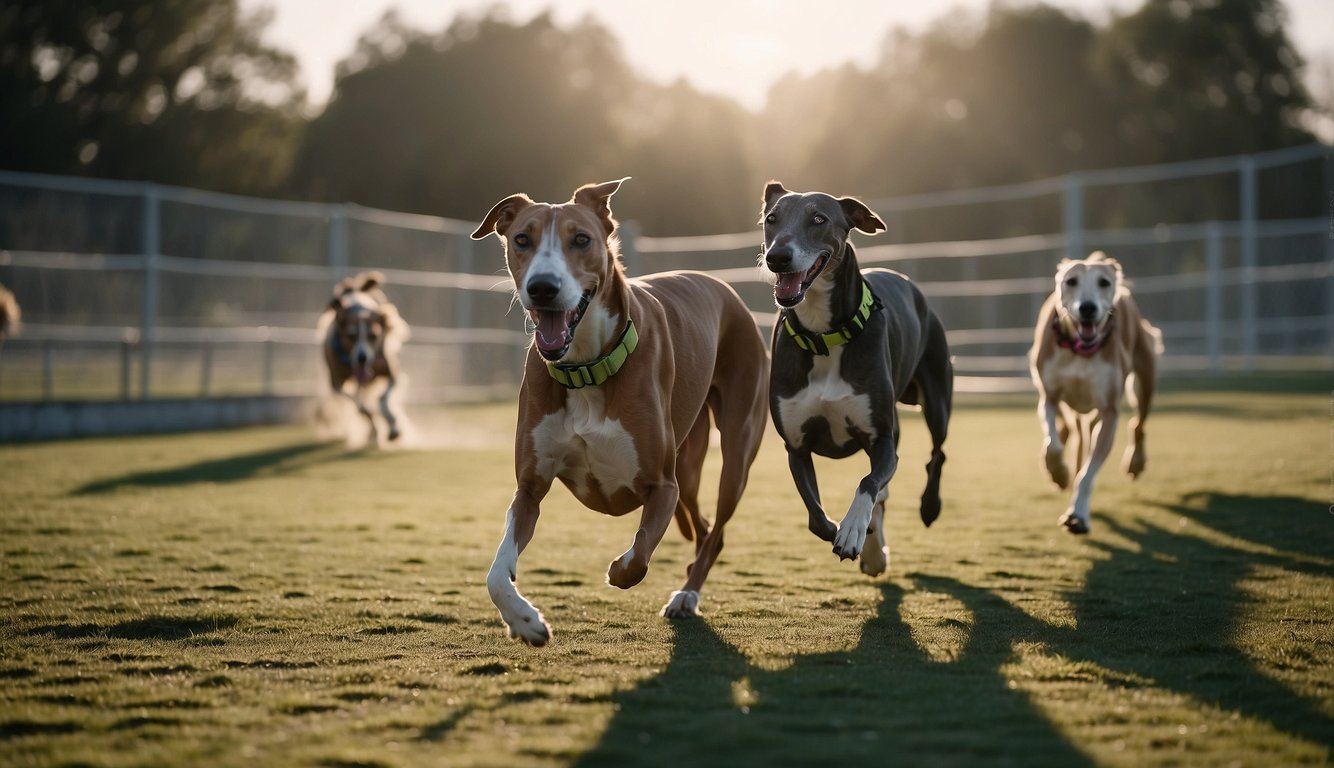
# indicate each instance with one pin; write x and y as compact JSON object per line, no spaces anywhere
{"x":1083,"y":383}
{"x":579,"y":442}
{"x":826,"y":394}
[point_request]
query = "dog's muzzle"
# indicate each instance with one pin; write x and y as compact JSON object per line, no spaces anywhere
{"x":790,"y":287}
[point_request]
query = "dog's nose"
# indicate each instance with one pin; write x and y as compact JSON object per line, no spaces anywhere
{"x":544,"y":287}
{"x":1087,"y":310}
{"x":778,"y":260}
{"x":361,"y":358}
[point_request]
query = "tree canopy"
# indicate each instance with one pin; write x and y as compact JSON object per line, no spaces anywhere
{"x":448,"y":122}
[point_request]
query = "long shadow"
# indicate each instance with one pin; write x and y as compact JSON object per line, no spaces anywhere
{"x":1161,"y":613}
{"x":885,"y":698}
{"x":230,"y":469}
{"x":1169,"y":610}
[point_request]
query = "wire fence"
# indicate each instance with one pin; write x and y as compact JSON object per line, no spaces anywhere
{"x":135,"y":291}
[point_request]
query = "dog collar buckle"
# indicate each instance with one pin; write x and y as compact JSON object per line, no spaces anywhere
{"x":595,"y":372}
{"x":819,"y":343}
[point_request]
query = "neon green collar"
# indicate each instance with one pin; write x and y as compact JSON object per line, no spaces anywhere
{"x":819,"y":343}
{"x":578,"y":375}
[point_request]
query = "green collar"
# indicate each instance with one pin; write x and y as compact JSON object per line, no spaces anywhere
{"x":819,"y":343}
{"x":577,"y":375}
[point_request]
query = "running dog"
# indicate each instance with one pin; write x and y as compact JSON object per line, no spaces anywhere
{"x":10,"y":314}
{"x":361,"y":344}
{"x":848,"y":345}
{"x":1091,"y":343}
{"x":617,"y":392}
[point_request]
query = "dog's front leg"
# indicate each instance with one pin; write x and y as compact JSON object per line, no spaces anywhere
{"x":362,"y":409}
{"x":851,"y":534}
{"x":523,"y":621}
{"x":1053,"y":448}
{"x":659,"y":508}
{"x":1076,"y":518}
{"x":803,"y":474}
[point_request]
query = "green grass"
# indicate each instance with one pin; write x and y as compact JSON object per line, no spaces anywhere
{"x":257,"y":598}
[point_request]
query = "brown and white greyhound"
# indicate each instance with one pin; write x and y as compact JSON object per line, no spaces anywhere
{"x":1091,"y":343}
{"x":617,"y":392}
{"x":848,"y":345}
{"x":361,"y":342}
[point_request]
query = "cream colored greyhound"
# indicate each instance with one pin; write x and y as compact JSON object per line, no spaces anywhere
{"x":617,"y":391}
{"x":1090,"y":345}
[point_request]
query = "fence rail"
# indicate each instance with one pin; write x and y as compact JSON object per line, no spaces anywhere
{"x":192,"y":292}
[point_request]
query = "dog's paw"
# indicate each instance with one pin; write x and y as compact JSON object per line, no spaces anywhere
{"x":1073,"y":523}
{"x":874,"y":559}
{"x":1060,"y":474}
{"x":526,"y":624}
{"x":930,"y":510}
{"x":624,"y":572}
{"x":1134,"y":462}
{"x":394,"y":434}
{"x":823,"y":527}
{"x":849,"y":540}
{"x":683,"y":604}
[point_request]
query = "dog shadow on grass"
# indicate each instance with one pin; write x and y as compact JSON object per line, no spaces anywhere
{"x":228,"y":469}
{"x":1159,"y":614}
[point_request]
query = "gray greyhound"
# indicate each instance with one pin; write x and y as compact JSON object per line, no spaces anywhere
{"x":847,"y":346}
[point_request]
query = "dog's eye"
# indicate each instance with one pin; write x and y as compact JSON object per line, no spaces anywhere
{"x":521,"y":240}
{"x":818,"y":219}
{"x":1104,"y":283}
{"x":581,"y":240}
{"x":1072,"y":281}
{"x":771,"y":219}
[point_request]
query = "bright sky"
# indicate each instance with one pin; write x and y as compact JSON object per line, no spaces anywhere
{"x":733,"y":47}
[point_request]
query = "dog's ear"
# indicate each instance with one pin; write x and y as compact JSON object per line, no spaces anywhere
{"x":859,"y":216}
{"x":772,"y":191}
{"x":501,"y":216}
{"x":598,"y":197}
{"x":370,"y":280}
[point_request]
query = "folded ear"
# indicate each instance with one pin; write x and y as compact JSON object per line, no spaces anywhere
{"x":859,"y":216}
{"x":598,"y":197}
{"x":772,"y":191}
{"x":369,"y":280}
{"x":501,"y":216}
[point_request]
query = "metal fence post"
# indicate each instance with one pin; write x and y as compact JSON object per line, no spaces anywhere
{"x":126,"y":362}
{"x":1249,"y":215}
{"x":152,"y":244}
{"x":48,"y":370}
{"x":463,"y":316}
{"x":206,"y":369}
{"x":1213,"y":295}
{"x":338,"y":241}
{"x":629,"y":236}
{"x":268,"y":366}
{"x":1072,"y":216}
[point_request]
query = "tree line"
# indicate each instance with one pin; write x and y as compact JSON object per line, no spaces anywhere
{"x":447,"y":122}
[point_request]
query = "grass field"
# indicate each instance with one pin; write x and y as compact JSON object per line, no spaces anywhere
{"x":258,"y":598}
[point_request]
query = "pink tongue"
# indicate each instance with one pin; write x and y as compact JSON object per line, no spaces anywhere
{"x":364,"y":374}
{"x":551,"y":327}
{"x":1087,"y":330}
{"x":788,"y":285}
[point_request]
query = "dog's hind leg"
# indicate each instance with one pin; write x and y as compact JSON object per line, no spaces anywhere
{"x":1076,"y":518}
{"x":740,"y":424}
{"x":935,"y":379}
{"x":1139,"y":393}
{"x":689,"y":472}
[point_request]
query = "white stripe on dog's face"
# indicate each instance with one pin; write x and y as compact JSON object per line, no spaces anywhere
{"x":550,"y":259}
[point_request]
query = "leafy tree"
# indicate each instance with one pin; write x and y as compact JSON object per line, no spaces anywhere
{"x":174,"y":91}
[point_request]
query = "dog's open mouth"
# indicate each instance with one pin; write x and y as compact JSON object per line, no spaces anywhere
{"x":364,"y":373}
{"x":791,"y":287}
{"x":554,"y":328}
{"x":1088,"y":332}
